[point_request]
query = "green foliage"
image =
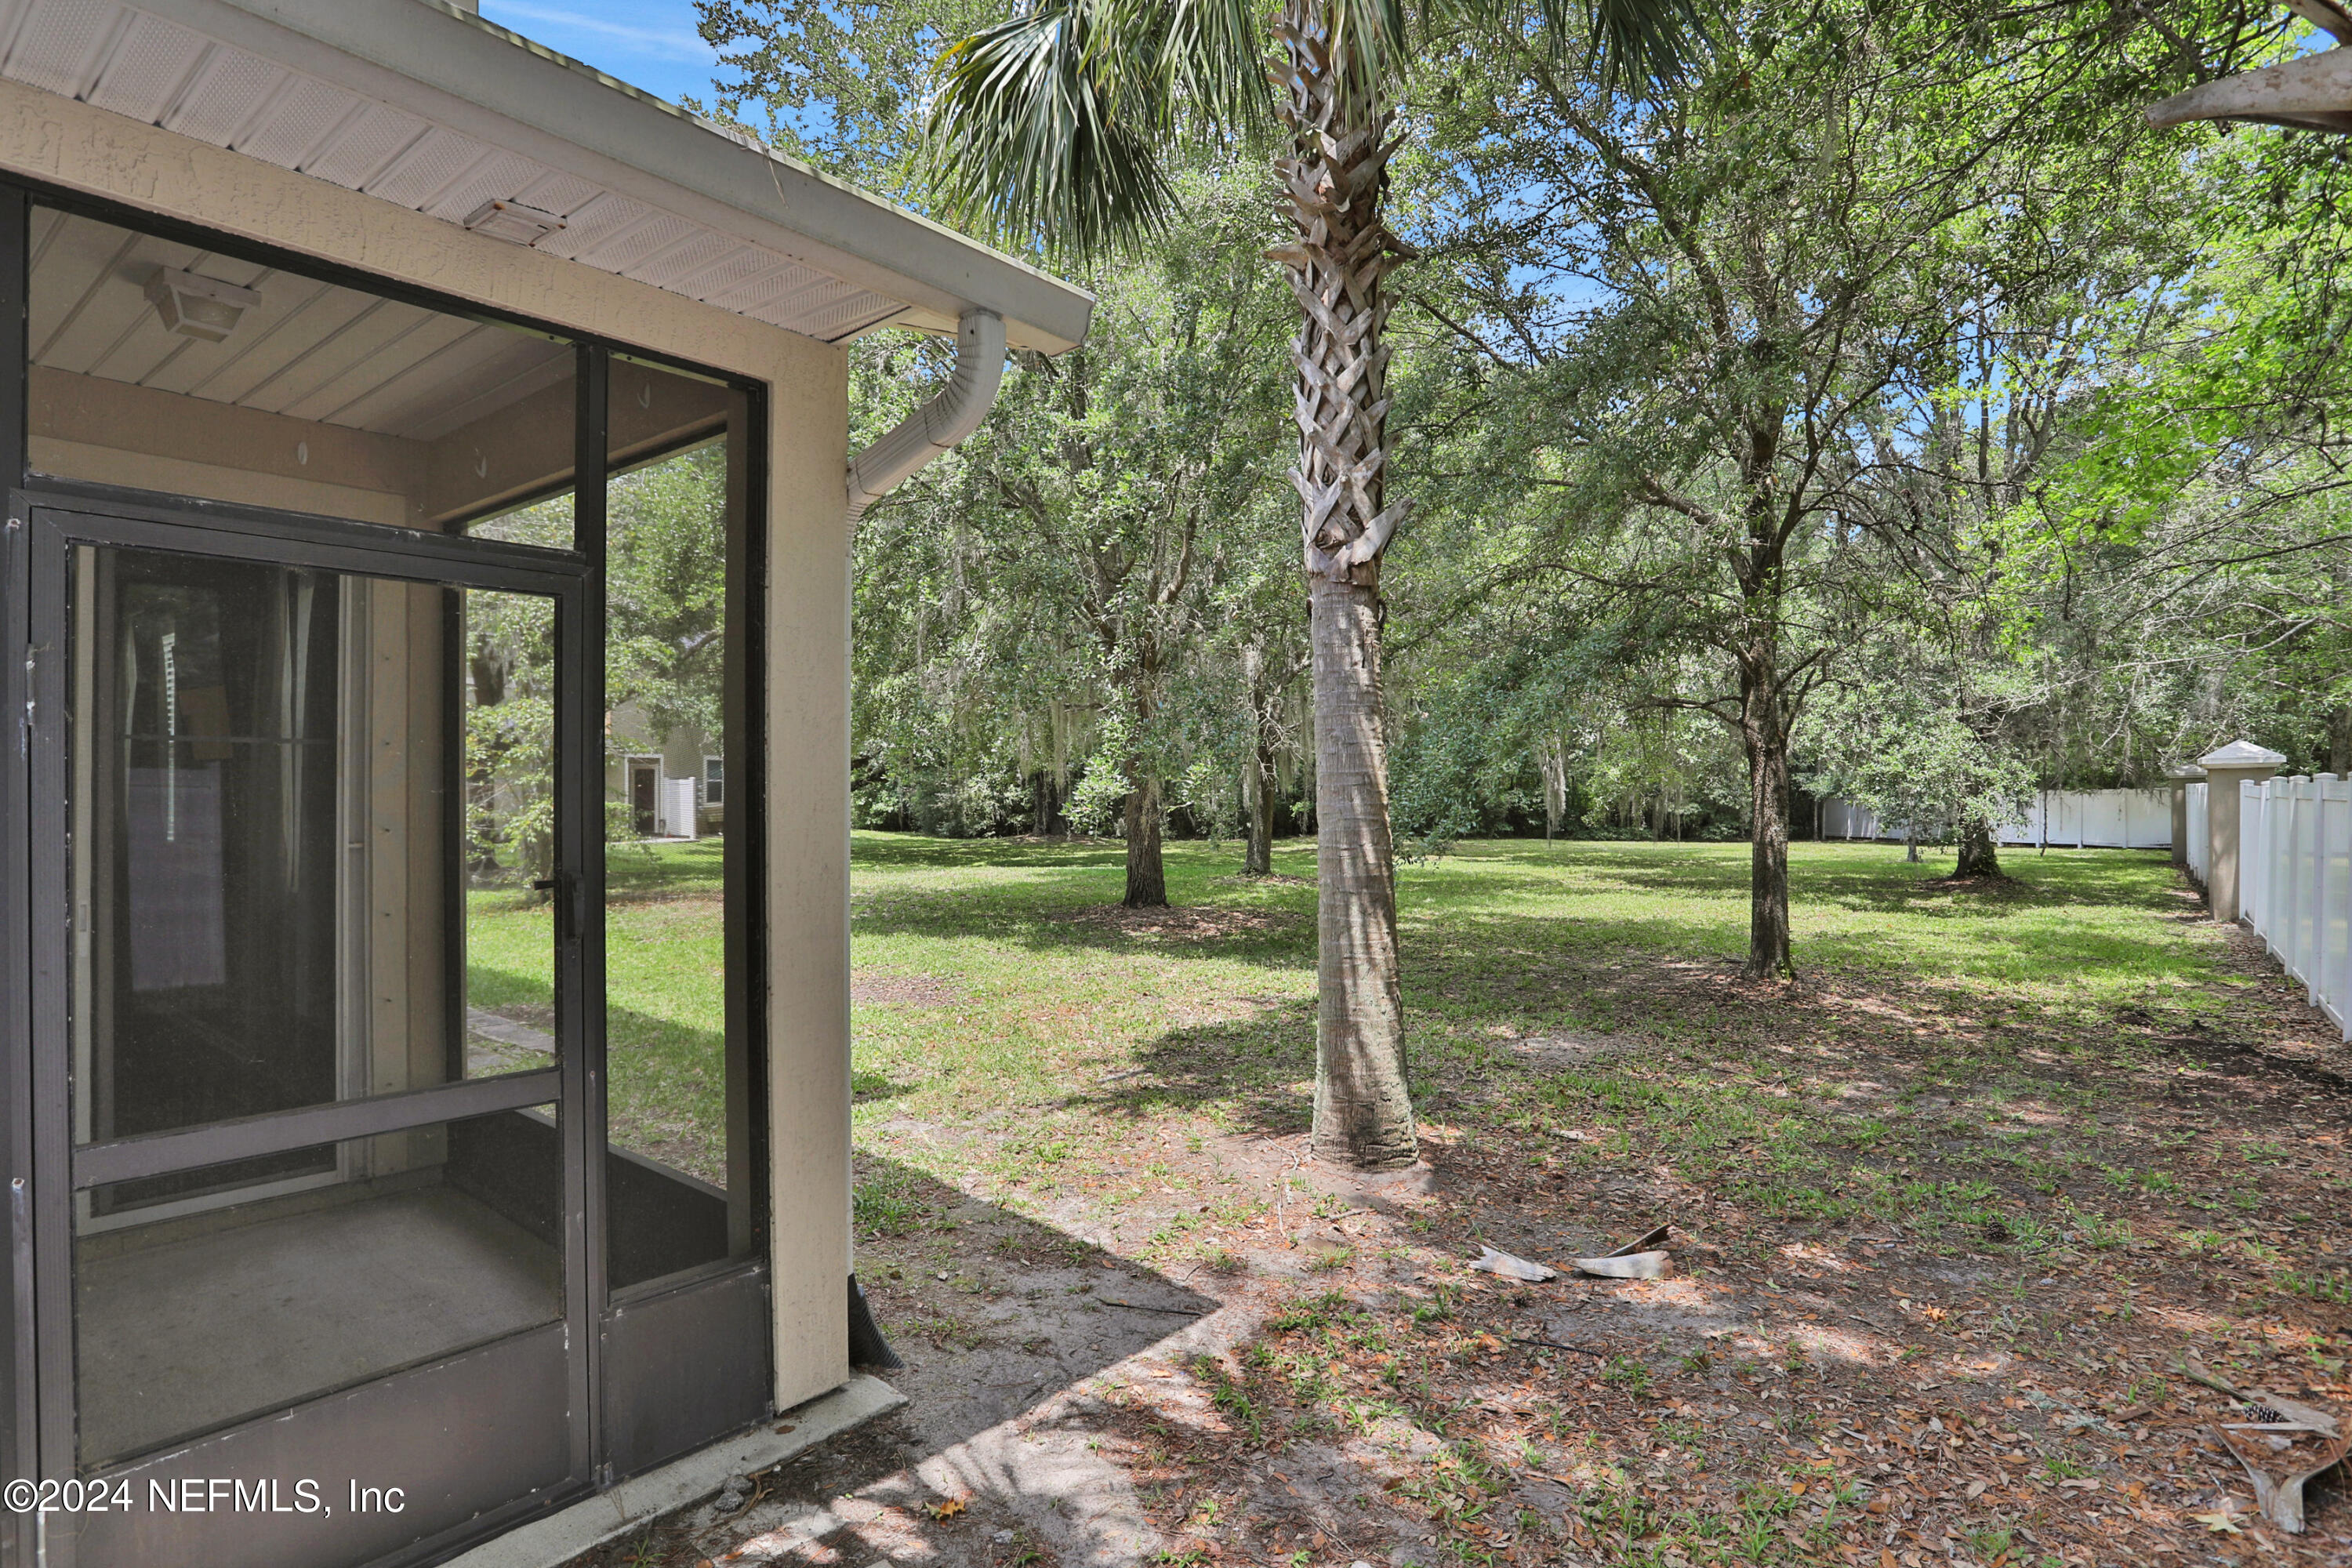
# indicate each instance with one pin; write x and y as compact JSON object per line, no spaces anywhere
{"x":1054,"y":127}
{"x":1459,"y":769}
{"x":1876,"y":387}
{"x":1898,"y":748}
{"x":839,"y":84}
{"x":509,"y":643}
{"x":1093,"y":805}
{"x":665,"y":590}
{"x":665,"y":555}
{"x":1042,"y":609}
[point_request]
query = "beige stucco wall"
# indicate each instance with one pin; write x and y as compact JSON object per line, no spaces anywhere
{"x":808,"y":874}
{"x":73,"y":146}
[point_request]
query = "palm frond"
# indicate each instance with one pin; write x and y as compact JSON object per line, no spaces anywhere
{"x":1626,"y":43}
{"x":1046,"y":129}
{"x":1052,"y":126}
{"x":1644,"y":42}
{"x":1212,"y":54}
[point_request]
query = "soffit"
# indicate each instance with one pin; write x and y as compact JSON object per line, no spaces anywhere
{"x":308,"y":350}
{"x":284,"y":89}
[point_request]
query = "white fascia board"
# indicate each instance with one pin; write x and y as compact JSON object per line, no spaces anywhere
{"x":473,"y":77}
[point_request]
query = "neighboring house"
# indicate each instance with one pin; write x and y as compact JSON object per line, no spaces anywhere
{"x":316,"y":1188}
{"x":675,"y":783}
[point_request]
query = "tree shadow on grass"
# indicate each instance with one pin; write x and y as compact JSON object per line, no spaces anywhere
{"x":1495,"y":1004}
{"x":2098,"y":878}
{"x":1787,"y":1105}
{"x":1864,"y":881}
{"x":1068,"y":902}
{"x":918,"y":850}
{"x":1487,"y":993}
{"x":1550,"y":952}
{"x":633,"y":871}
{"x":1080,"y":913}
{"x":1259,"y":1070}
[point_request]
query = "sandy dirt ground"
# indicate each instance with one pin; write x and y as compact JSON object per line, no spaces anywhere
{"x":1324,"y":1382}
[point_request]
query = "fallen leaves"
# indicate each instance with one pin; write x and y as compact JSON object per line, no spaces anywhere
{"x":2041,"y":1386}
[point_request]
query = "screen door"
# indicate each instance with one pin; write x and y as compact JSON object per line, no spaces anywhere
{"x":308,"y":1087}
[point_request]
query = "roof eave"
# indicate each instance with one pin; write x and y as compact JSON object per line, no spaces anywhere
{"x":480,"y":78}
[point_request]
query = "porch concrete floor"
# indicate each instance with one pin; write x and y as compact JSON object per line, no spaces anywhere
{"x":191,"y":1331}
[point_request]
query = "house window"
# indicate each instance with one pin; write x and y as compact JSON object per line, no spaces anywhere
{"x":714,"y":781}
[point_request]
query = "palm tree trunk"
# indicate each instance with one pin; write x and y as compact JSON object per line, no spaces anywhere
{"x":1334,"y":180}
{"x":1363,"y":1110}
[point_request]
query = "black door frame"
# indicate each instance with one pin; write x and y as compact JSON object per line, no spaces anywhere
{"x":650,"y":1332}
{"x":18,"y":1368}
{"x":60,"y":1170}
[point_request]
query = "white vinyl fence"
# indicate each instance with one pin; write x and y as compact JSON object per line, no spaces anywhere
{"x":2073,"y":819}
{"x":2294,"y":870}
{"x":674,"y":813}
{"x":2295,"y":861}
{"x":1843,"y":819}
{"x":2199,"y":831}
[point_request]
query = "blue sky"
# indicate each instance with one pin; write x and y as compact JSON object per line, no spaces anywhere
{"x":650,"y":44}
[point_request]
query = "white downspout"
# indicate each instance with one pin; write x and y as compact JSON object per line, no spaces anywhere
{"x":943,"y":421}
{"x":953,"y":413}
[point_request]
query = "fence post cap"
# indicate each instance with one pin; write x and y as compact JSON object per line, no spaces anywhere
{"x":2243,"y":754}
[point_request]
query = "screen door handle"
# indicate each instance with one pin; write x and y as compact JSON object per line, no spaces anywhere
{"x":566,"y":888}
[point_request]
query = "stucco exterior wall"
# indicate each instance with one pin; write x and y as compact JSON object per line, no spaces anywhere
{"x":808,"y":875}
{"x":73,"y":146}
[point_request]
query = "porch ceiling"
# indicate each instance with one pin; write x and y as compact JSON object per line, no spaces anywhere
{"x":308,"y":350}
{"x":416,"y":102}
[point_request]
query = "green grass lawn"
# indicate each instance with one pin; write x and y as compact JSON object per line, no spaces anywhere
{"x":2053,"y":1134}
{"x":1502,"y":935}
{"x":666,"y":1017}
{"x":1071,"y":1029}
{"x":1002,"y":991}
{"x":2046,"y":1135}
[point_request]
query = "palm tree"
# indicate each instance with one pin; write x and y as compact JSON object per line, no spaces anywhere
{"x":1053,"y":127}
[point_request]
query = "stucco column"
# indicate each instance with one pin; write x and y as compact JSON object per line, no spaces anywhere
{"x":2225,"y":770}
{"x":2181,"y":777}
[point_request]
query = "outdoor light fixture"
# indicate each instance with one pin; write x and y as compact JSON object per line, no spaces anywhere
{"x":196,"y":307}
{"x":513,"y":221}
